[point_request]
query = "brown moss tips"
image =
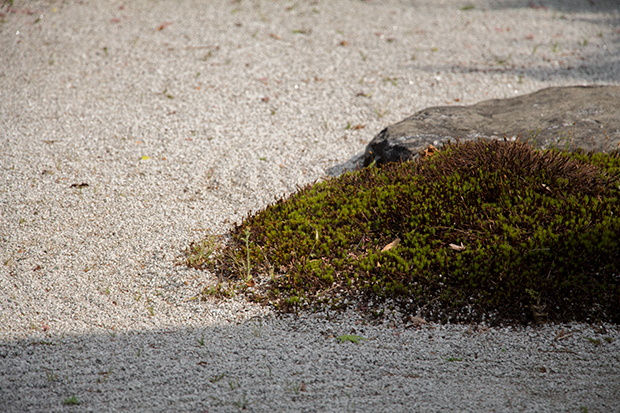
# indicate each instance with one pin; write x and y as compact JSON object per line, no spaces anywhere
{"x":485,"y":229}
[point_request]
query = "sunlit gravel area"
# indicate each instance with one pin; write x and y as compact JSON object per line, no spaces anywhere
{"x":129,"y":129}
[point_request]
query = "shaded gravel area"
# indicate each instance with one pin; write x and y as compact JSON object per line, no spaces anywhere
{"x":297,"y":364}
{"x":130,"y":129}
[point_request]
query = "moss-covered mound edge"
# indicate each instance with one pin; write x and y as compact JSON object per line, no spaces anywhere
{"x":477,"y":230}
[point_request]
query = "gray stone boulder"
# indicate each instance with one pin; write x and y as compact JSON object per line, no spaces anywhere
{"x":573,"y":117}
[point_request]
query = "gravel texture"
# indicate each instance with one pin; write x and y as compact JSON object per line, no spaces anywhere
{"x":129,"y":129}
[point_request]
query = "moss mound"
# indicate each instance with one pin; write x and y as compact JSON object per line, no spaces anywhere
{"x":478,"y":229}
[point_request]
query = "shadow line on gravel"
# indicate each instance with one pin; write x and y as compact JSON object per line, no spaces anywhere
{"x":563,"y":6}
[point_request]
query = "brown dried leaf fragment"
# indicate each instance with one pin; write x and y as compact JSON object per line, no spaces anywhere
{"x":428,"y":151}
{"x":457,"y":247}
{"x":417,"y":320}
{"x":391,"y":245}
{"x":163,"y":26}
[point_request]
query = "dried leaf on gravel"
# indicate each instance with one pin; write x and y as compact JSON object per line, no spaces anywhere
{"x":418,"y":320}
{"x":163,"y":26}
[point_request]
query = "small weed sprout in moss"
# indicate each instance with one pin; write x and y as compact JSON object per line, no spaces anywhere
{"x":248,"y":265}
{"x":242,"y":264}
{"x":535,"y":296}
{"x":270,"y":267}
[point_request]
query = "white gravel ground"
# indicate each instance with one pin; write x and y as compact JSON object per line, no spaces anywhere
{"x":183,"y":116}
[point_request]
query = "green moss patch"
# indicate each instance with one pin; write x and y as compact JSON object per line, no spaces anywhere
{"x":478,"y":229}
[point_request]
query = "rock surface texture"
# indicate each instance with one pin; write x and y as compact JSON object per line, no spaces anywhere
{"x":573,"y":117}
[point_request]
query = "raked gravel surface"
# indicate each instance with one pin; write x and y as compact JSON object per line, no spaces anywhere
{"x":130,"y":128}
